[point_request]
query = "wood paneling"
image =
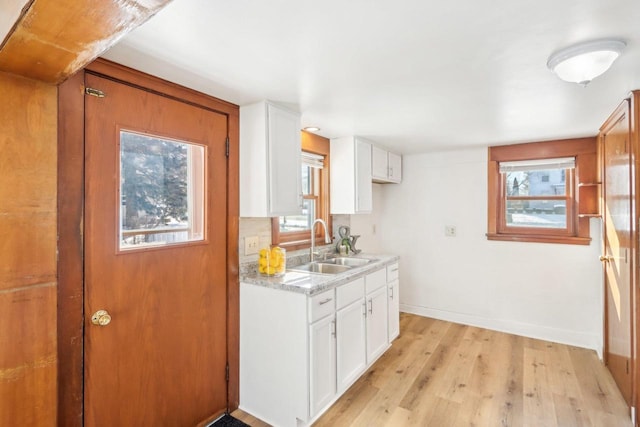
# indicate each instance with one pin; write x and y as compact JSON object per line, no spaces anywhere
{"x":28,"y":356}
{"x":28,"y":175}
{"x":444,"y":374}
{"x":28,"y":249}
{"x":70,"y":249}
{"x":53,"y":39}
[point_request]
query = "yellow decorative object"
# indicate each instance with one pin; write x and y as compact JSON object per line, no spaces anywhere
{"x":272,"y":262}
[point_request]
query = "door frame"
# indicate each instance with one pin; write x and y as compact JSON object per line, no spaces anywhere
{"x":70,"y":317}
{"x":623,"y":109}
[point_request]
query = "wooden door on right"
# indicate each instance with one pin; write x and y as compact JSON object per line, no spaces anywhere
{"x":617,"y":241}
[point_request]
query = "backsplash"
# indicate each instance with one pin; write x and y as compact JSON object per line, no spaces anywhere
{"x":261,"y":227}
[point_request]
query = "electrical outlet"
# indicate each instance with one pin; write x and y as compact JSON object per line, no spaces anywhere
{"x":450,"y":230}
{"x":251,"y":245}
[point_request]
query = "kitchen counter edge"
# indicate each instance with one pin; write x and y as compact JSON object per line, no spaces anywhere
{"x":314,"y":283}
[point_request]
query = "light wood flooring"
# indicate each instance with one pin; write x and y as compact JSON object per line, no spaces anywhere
{"x":444,"y":374}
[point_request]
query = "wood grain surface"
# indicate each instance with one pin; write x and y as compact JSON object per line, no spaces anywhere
{"x":445,"y":374}
{"x":28,"y":357}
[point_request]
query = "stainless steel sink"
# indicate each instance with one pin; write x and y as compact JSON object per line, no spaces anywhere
{"x":351,"y":262}
{"x":322,"y":268}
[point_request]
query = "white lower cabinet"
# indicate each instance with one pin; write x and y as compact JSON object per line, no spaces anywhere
{"x":393,"y":285}
{"x":299,"y":353}
{"x":322,"y":363}
{"x":377,"y":339}
{"x":350,"y":337}
{"x":394,"y":309}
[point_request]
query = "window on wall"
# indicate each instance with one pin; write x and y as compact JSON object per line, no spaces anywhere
{"x":537,"y":195}
{"x":294,"y":231}
{"x":534,"y":191}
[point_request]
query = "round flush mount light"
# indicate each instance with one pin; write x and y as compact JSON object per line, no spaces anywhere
{"x":312,"y":129}
{"x":582,"y":62}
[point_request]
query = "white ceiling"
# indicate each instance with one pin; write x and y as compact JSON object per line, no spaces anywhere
{"x":414,"y":75}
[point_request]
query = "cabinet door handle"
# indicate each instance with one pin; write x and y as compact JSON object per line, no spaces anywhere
{"x":364,"y":309}
{"x":300,"y":201}
{"x":324,"y":301}
{"x":391,"y":289}
{"x":333,"y":328}
{"x":371,"y":306}
{"x":390,"y":171}
{"x":394,"y":269}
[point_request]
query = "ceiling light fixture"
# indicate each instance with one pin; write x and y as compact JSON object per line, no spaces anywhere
{"x":312,"y":129}
{"x":585,"y":61}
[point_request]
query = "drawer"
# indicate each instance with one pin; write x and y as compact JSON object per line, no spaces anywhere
{"x":350,"y":292}
{"x":375,"y":280}
{"x":392,"y":272}
{"x":321,"y":305}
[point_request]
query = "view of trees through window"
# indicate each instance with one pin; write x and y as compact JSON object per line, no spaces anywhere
{"x":155,"y":193}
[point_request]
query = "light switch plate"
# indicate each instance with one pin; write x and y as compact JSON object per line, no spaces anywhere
{"x":251,"y":245}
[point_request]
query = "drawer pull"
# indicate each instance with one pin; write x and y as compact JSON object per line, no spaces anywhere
{"x":324,"y":301}
{"x":394,"y":269}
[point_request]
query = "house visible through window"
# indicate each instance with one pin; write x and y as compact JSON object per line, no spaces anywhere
{"x":533,"y":191}
{"x":537,"y":195}
{"x":294,"y":231}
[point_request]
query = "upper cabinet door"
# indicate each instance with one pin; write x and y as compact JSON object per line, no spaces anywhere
{"x":351,"y":189}
{"x":379,"y":164}
{"x":364,"y":190}
{"x":270,"y":174}
{"x":395,"y":167}
{"x":284,"y":142}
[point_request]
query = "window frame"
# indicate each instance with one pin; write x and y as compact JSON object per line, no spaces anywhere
{"x":584,"y":150}
{"x":295,"y":240}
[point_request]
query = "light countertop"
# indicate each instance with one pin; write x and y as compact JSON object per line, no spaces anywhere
{"x":313,"y":283}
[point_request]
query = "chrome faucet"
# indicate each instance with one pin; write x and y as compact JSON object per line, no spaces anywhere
{"x":327,"y":238}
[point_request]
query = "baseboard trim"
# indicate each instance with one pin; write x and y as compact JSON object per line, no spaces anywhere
{"x":562,"y":336}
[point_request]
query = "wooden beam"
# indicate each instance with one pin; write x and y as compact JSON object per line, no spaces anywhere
{"x":53,"y":39}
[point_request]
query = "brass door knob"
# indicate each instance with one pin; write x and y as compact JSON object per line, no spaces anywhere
{"x":101,"y":318}
{"x":605,"y":258}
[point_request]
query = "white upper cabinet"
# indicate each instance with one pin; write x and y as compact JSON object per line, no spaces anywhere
{"x":269,"y":161}
{"x":379,"y":163}
{"x":385,"y":166}
{"x":351,"y":189}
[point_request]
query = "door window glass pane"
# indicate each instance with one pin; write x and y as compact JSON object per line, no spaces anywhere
{"x":161,"y":191}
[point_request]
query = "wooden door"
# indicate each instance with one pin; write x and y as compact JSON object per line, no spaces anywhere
{"x":617,"y":257}
{"x":161,"y":360}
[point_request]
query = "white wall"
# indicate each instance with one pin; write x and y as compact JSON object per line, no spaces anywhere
{"x":367,"y":225}
{"x":547,"y":291}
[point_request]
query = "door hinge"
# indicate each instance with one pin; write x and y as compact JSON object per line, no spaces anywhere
{"x":227,"y":147}
{"x":627,"y":366}
{"x":226,"y":373}
{"x":94,"y":92}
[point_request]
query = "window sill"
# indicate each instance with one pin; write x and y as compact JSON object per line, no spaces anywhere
{"x":567,"y":240}
{"x":296,"y":245}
